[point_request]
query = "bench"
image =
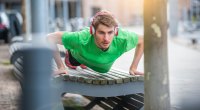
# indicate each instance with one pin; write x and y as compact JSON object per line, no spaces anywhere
{"x":114,"y":90}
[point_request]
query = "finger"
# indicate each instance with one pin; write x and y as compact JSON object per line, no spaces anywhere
{"x":138,"y":73}
{"x":132,"y":73}
{"x":60,"y":72}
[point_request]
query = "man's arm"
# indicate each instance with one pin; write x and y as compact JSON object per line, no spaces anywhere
{"x":56,"y":38}
{"x":138,"y":54}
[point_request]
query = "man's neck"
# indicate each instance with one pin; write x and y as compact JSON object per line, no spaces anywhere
{"x":104,"y":49}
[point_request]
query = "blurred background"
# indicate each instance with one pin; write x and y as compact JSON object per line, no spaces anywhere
{"x":16,"y":17}
{"x":68,"y":15}
{"x":72,"y":15}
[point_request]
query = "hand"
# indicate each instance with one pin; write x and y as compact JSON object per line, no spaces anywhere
{"x":59,"y":72}
{"x":135,"y":72}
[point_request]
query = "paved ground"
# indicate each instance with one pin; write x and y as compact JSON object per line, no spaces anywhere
{"x":9,"y":86}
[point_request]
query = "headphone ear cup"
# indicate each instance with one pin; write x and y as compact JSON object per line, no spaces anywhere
{"x":116,"y":31}
{"x":92,"y":30}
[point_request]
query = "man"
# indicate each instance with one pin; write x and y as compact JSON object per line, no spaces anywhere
{"x":99,"y":46}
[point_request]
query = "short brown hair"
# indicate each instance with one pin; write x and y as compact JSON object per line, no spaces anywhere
{"x":105,"y":18}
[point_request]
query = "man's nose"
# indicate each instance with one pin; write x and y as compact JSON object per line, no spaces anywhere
{"x":106,"y":37}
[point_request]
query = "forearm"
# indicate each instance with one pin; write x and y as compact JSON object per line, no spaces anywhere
{"x":58,"y":59}
{"x":137,"y":57}
{"x":138,"y":54}
{"x":54,"y":39}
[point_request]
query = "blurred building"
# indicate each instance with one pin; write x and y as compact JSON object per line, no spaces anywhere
{"x":189,"y":14}
{"x":128,"y":12}
{"x":63,"y":13}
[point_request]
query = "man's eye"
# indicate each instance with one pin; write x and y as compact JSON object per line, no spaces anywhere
{"x":110,"y":32}
{"x":101,"y":32}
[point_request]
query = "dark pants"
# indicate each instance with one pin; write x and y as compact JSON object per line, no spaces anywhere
{"x":72,"y":60}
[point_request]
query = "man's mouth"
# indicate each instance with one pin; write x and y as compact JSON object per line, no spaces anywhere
{"x":105,"y":43}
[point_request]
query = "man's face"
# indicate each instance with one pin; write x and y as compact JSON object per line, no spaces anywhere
{"x":104,"y":36}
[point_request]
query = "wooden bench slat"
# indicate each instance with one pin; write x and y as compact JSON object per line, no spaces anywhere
{"x":117,"y":79}
{"x":98,"y":80}
{"x":104,"y":78}
{"x":133,"y":78}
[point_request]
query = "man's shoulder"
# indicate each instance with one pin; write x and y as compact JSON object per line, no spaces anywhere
{"x":124,"y":33}
{"x":84,"y":35}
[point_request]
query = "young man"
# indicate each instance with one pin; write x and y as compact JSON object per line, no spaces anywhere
{"x":99,"y":46}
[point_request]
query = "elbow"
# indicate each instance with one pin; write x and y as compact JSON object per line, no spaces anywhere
{"x":141,"y":41}
{"x":55,"y":38}
{"x":48,"y":38}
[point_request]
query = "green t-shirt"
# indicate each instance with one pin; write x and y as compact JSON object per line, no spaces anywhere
{"x":84,"y":50}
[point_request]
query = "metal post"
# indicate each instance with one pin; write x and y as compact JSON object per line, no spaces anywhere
{"x":37,"y":62}
{"x":65,"y":13}
{"x":173,"y":17}
{"x":78,"y":8}
{"x":52,"y":15}
{"x":39,"y":15}
{"x":36,"y":83}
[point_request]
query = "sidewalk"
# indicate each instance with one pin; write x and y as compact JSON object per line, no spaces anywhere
{"x":188,"y":39}
{"x":184,"y":73}
{"x":10,"y":89}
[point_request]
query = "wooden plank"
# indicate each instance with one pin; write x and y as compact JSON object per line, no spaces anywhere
{"x":117,"y":79}
{"x":104,"y":78}
{"x":98,"y":80}
{"x":124,"y":78}
{"x":133,"y":78}
{"x":74,"y":75}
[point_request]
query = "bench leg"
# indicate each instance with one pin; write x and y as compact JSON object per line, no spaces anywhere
{"x":93,"y":102}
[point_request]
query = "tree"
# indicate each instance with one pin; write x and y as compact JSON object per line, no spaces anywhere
{"x":156,"y":87}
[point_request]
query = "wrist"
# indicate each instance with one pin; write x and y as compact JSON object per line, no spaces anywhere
{"x":133,"y":68}
{"x":61,"y":68}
